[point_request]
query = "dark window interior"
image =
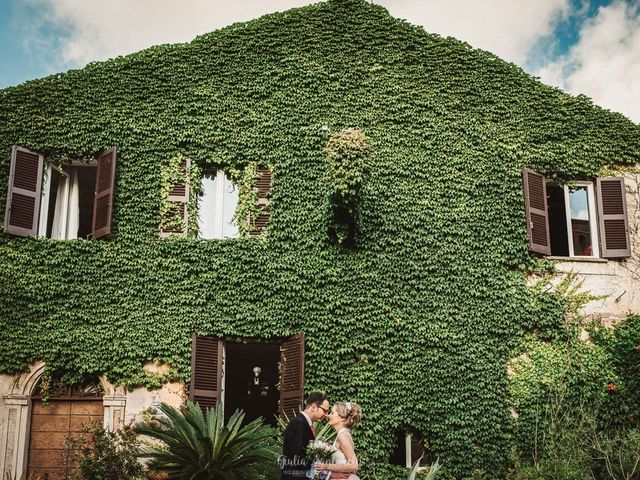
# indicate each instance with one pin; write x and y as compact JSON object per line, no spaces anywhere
{"x":86,"y":193}
{"x":557,"y":221}
{"x":87,"y":184}
{"x":398,"y":457}
{"x":53,"y":194}
{"x":258,"y":395}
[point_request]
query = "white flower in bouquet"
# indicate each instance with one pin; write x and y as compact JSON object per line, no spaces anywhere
{"x":320,"y":451}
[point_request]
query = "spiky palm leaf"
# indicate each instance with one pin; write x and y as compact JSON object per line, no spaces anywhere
{"x":192,"y":447}
{"x":431,"y":474}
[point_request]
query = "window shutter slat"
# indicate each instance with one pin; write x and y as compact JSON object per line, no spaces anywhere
{"x":291,"y":375}
{"x":103,"y":200}
{"x":23,"y":199}
{"x":259,"y":222}
{"x":612,"y":217}
{"x":536,"y":213}
{"x":175,"y":221}
{"x":206,"y":371}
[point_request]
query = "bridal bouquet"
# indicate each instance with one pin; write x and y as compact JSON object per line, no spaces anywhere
{"x":320,"y":451}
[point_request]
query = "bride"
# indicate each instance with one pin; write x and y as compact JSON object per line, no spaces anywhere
{"x":344,"y":463}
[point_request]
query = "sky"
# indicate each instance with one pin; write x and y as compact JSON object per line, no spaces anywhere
{"x":589,"y":47}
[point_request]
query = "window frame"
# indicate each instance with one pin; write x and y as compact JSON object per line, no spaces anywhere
{"x":218,"y":220}
{"x":593,"y":219}
{"x":46,"y":195}
{"x":610,"y":228}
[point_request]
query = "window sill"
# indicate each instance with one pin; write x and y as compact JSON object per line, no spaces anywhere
{"x":579,"y":259}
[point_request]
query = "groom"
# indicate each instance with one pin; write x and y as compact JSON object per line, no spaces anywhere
{"x":298,"y":434}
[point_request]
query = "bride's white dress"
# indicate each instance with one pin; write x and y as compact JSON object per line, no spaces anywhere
{"x":338,"y":457}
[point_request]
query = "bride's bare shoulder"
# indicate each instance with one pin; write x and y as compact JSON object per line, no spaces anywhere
{"x":345,"y":434}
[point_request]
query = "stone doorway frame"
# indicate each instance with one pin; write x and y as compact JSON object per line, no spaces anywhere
{"x":14,"y":442}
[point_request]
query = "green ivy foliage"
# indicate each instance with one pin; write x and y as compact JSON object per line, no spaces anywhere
{"x":348,"y":155}
{"x":417,"y":324}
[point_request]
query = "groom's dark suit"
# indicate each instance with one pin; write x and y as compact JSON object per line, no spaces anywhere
{"x":297,"y":436}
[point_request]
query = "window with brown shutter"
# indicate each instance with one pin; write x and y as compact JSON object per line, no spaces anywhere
{"x":257,"y":223}
{"x":292,"y":375}
{"x":23,"y":199}
{"x":613,"y":221}
{"x":206,"y":371}
{"x":535,"y":203}
{"x":103,"y":200}
{"x":175,"y":216}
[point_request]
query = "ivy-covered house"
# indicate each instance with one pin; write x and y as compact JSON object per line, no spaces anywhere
{"x":327,"y":198}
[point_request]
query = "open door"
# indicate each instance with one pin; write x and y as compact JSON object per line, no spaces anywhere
{"x":206,"y":371}
{"x":291,"y":375}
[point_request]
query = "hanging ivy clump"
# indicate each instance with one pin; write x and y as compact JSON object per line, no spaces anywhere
{"x":348,"y":154}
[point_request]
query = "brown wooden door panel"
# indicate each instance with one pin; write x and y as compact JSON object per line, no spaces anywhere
{"x":52,"y":458}
{"x":42,"y":440}
{"x":54,"y":408}
{"x":87,"y":408}
{"x":78,"y":421}
{"x":48,"y":473}
{"x":50,"y":423}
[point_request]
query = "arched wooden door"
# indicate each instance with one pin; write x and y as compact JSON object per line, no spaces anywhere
{"x":52,"y":422}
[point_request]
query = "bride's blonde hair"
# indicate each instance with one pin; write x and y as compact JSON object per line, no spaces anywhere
{"x":350,"y":412}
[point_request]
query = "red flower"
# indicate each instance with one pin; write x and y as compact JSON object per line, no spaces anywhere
{"x":612,"y":387}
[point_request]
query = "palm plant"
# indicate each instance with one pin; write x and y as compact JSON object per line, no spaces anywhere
{"x":191,"y":447}
{"x":430,"y":475}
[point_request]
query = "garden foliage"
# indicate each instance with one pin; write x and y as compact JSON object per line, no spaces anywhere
{"x":189,"y":445}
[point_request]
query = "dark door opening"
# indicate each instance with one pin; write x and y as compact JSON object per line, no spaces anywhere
{"x":251,"y":380}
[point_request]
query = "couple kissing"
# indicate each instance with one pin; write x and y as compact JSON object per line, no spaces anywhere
{"x":339,"y":460}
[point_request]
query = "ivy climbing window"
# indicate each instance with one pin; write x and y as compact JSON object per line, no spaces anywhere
{"x":217,"y":206}
{"x":409,"y":448}
{"x":60,"y":200}
{"x":583,"y":219}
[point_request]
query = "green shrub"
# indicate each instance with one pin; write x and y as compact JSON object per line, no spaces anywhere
{"x":192,"y":446}
{"x":105,"y":455}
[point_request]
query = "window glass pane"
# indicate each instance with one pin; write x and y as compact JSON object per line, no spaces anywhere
{"x":230,"y":203}
{"x":207,"y":205}
{"x":580,"y":221}
{"x":87,"y":186}
{"x":56,"y":180}
{"x":557,"y":221}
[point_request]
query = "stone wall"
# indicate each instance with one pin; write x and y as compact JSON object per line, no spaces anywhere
{"x":120,"y":406}
{"x":616,"y":281}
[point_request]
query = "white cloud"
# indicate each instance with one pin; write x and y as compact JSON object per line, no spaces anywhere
{"x":605,"y":62}
{"x":508,"y":28}
{"x":100,"y":29}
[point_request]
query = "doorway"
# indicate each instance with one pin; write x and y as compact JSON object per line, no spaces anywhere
{"x":52,"y":422}
{"x":251,"y":380}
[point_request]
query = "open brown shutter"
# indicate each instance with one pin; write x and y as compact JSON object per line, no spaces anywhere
{"x":206,"y":371}
{"x":612,"y":216}
{"x":24,"y":196}
{"x":291,"y":375}
{"x":260,"y":221}
{"x":537,"y":215}
{"x":103,"y":200}
{"x":175,"y":220}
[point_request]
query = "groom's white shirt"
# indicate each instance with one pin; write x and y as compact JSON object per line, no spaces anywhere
{"x":307,"y":417}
